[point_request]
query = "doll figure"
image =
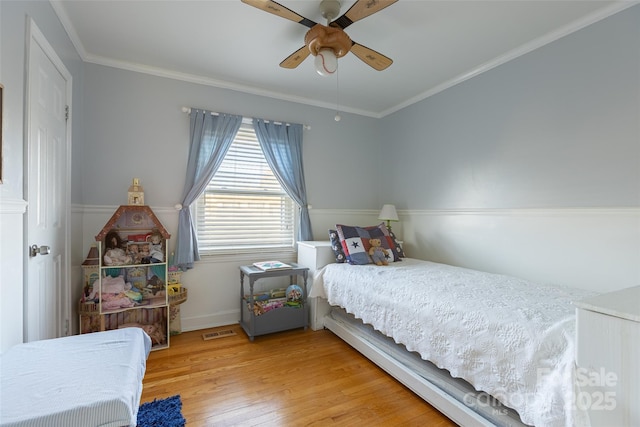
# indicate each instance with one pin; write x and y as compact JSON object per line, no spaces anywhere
{"x":145,"y":256}
{"x":134,"y":251}
{"x":156,"y":253}
{"x":114,"y":254}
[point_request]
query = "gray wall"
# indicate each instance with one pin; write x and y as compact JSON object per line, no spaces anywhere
{"x":135,"y":127}
{"x":14,"y":15}
{"x":555,"y":128}
{"x":558,"y":127}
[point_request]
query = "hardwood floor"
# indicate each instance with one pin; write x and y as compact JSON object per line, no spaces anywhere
{"x":293,"y":378}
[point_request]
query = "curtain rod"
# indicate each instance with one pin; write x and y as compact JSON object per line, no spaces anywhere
{"x":244,"y":119}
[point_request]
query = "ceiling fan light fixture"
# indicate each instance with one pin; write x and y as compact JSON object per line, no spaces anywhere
{"x":331,"y":36}
{"x":326,"y":62}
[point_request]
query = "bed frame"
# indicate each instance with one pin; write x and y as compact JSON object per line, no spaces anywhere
{"x":454,"y":398}
{"x":89,"y":380}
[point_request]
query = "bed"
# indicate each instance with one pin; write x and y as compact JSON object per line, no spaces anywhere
{"x":485,"y":349}
{"x":82,"y":380}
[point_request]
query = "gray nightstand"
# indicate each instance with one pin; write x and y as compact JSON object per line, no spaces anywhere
{"x":279,"y":319}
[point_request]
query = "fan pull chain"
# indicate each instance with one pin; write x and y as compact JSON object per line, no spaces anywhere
{"x":337,"y":117}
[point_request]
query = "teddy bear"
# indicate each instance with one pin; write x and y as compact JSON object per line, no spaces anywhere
{"x":377,"y":253}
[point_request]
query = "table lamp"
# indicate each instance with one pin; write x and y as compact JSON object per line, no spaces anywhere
{"x":388,"y":213}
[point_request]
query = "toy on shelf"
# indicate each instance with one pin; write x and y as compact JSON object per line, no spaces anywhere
{"x":177,"y":295}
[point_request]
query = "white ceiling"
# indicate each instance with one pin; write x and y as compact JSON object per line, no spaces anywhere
{"x":229,"y":44}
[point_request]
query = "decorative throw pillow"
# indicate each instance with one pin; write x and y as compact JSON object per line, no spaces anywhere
{"x":336,"y":246}
{"x":355,"y":242}
{"x":381,"y":232}
{"x":399,"y":251}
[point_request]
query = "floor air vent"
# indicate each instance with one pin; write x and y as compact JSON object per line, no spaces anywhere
{"x":218,"y":334}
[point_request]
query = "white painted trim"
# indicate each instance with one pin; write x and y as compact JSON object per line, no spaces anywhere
{"x":167,"y":212}
{"x":561,"y":211}
{"x":190,"y":78}
{"x":12,"y":206}
{"x":440,"y":235}
{"x":170,"y":209}
{"x":68,"y":27}
{"x":110,"y":209}
{"x":197,"y":323}
{"x":527,"y":211}
{"x":589,"y":248}
{"x":616,"y":7}
{"x":207,"y":81}
{"x":246,"y":257}
{"x":345,"y":211}
{"x":34,"y":35}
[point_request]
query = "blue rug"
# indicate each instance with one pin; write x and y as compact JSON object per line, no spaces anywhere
{"x":161,"y":413}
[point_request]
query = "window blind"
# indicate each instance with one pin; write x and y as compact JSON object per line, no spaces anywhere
{"x":244,"y":206}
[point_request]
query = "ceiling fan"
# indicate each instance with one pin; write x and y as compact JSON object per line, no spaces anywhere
{"x":330,"y":42}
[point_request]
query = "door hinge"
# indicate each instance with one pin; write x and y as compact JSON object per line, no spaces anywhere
{"x":66,"y":112}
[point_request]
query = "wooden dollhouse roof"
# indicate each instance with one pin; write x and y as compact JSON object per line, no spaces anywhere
{"x":132,"y":217}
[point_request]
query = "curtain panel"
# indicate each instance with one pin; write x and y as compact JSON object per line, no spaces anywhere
{"x":282,"y":147}
{"x":211,"y":135}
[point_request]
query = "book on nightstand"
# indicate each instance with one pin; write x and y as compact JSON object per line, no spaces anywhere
{"x":271,"y":265}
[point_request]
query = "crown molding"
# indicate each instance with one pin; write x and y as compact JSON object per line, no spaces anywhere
{"x":539,"y":42}
{"x":614,"y":8}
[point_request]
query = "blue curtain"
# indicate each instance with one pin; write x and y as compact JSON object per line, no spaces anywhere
{"x":211,"y":136}
{"x":282,"y":147}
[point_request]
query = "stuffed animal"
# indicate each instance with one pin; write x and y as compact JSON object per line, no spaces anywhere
{"x":377,"y":253}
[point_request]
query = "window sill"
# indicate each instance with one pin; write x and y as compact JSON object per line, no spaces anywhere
{"x":247,"y":255}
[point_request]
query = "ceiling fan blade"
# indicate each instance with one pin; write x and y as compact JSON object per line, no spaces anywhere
{"x":296,"y":58}
{"x":281,"y":11}
{"x":360,"y":9}
{"x":371,"y":57}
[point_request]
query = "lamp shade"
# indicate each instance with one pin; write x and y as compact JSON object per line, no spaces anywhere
{"x":388,"y":213}
{"x":326,"y":62}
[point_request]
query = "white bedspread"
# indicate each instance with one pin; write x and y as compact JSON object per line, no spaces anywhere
{"x":509,"y":337}
{"x":83,"y":380}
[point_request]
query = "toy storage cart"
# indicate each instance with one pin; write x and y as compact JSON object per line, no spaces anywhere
{"x":279,"y":319}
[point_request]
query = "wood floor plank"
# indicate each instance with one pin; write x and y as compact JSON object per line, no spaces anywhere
{"x":293,"y":378}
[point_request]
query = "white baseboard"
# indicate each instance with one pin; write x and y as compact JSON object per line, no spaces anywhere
{"x":195,"y":323}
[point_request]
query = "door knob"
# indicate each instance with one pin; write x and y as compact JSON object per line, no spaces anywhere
{"x":42,"y":250}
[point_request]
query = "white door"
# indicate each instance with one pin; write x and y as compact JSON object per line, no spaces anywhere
{"x":47,"y":165}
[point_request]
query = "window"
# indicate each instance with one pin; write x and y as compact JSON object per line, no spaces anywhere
{"x":244,"y":206}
